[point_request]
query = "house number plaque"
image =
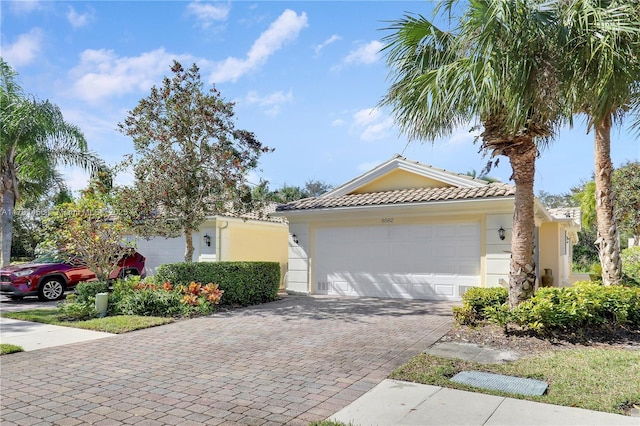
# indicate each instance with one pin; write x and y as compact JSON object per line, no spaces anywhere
{"x":387,"y":220}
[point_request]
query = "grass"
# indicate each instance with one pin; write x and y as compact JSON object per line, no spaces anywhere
{"x":6,"y":348}
{"x":576,"y":378}
{"x":115,"y":324}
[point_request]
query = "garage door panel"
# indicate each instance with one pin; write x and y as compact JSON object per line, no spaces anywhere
{"x":428,"y":261}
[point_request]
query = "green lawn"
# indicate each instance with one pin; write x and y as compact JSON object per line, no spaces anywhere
{"x":596,"y":379}
{"x":6,"y":348}
{"x":115,"y":324}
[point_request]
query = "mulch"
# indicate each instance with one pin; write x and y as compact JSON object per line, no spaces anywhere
{"x":528,"y":343}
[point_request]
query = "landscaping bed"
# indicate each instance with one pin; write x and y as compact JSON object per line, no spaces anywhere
{"x":528,"y":343}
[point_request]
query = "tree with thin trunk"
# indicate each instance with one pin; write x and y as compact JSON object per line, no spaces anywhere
{"x":190,"y":161}
{"x":600,"y":42}
{"x":34,"y":139}
{"x":494,"y":68}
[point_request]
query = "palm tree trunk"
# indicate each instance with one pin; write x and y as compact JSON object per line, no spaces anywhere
{"x":8,"y":202}
{"x":188,"y":238}
{"x":607,"y":239}
{"x":522,"y":273}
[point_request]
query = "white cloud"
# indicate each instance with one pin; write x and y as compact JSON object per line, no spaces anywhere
{"x":337,"y":123}
{"x":365,"y":54}
{"x":102,"y":74}
{"x":75,"y":178}
{"x":271,"y":102}
{"x":207,"y":13}
{"x":371,"y":124}
{"x":327,"y":42}
{"x":78,"y":20}
{"x":284,"y":29}
{"x":25,"y":6}
{"x":24,"y":50}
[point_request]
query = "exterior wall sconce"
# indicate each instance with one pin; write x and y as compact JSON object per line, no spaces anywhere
{"x":295,"y":238}
{"x":501,"y":233}
{"x":207,"y":240}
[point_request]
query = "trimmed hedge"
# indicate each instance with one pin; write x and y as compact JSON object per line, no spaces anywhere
{"x":475,"y":301}
{"x":585,"y":305}
{"x":243,"y":283}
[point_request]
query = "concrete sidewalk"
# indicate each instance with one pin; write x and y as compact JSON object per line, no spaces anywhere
{"x":31,"y":335}
{"x":394,"y":402}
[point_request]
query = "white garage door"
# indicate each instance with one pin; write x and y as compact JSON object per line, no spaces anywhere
{"x":159,"y":251}
{"x":430,"y":261}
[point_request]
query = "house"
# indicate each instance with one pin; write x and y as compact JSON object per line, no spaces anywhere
{"x":409,"y":230}
{"x":251,"y":237}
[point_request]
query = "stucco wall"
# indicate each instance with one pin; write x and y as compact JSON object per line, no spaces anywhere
{"x":550,"y":238}
{"x":256,"y":241}
{"x":297,"y":278}
{"x":498,"y":252}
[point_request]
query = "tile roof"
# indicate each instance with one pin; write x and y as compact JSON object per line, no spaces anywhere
{"x":401,"y":196}
{"x":566,"y":213}
{"x":263,"y":213}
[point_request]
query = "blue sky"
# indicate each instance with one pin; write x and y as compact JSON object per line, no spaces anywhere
{"x":306,"y":77}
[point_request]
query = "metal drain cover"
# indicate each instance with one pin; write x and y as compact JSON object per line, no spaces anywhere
{"x":501,"y":383}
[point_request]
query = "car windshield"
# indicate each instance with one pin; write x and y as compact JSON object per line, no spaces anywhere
{"x":47,"y":258}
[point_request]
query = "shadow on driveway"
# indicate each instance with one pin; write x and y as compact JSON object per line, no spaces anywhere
{"x":349,"y":309}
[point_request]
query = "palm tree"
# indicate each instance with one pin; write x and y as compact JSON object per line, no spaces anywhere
{"x":495,"y":68}
{"x":601,"y":59}
{"x":34,"y":138}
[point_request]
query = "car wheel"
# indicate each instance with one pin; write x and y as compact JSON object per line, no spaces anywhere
{"x":51,"y":289}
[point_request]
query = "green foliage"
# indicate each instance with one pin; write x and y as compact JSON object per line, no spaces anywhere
{"x":476,"y":301}
{"x":84,"y":230}
{"x":35,"y":139}
{"x":149,"y":299}
{"x":585,"y":252}
{"x":626,"y":186}
{"x":87,"y":290}
{"x":287,"y":193}
{"x":82,"y":305}
{"x":190,"y":160}
{"x":584,"y":305}
{"x":6,"y":348}
{"x":631,"y":264}
{"x":151,"y":302}
{"x":71,"y":309}
{"x":243,"y":283}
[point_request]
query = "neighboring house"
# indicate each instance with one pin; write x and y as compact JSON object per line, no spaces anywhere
{"x":409,"y":230}
{"x":223,"y":238}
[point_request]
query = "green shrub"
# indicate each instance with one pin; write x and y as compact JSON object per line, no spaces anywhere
{"x":631,"y":265}
{"x":121,"y":288}
{"x":243,"y":283}
{"x":72,"y":309}
{"x":475,"y":301}
{"x":87,"y":290}
{"x":150,"y":302}
{"x":148,"y":299}
{"x":595,"y":273}
{"x":583,"y":305}
{"x":82,"y":305}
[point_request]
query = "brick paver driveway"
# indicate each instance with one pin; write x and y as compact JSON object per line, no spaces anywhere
{"x":287,"y":362}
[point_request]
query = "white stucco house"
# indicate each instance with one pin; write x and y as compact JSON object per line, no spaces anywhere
{"x":409,"y":230}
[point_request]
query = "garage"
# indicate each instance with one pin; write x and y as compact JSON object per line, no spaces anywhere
{"x":417,"y":261}
{"x":160,"y":250}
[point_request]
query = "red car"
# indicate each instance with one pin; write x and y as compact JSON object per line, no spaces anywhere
{"x":49,"y":278}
